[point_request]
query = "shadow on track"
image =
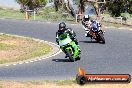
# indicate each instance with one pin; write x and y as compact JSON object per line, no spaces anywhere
{"x":88,"y":41}
{"x":61,"y":60}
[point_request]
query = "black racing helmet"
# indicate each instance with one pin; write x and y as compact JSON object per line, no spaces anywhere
{"x":62,"y":25}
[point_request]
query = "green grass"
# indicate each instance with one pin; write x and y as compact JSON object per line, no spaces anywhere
{"x":127,"y":15}
{"x":116,"y":25}
{"x":58,"y":82}
{"x":46,"y":14}
{"x":49,"y":14}
{"x":40,"y":50}
{"x":3,"y":46}
{"x":10,"y":13}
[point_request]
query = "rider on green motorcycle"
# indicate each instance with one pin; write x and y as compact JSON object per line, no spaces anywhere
{"x":69,"y":31}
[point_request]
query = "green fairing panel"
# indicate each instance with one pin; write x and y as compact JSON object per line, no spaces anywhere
{"x":76,"y":49}
{"x":64,"y":39}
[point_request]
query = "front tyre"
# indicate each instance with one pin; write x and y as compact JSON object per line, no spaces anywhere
{"x":70,"y":56}
{"x":78,"y":58}
{"x":102,"y":39}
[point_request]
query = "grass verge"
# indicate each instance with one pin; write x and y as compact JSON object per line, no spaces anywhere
{"x":10,"y":13}
{"x":13,"y":49}
{"x":116,"y":25}
{"x":57,"y":84}
{"x":45,"y":14}
{"x":49,"y":14}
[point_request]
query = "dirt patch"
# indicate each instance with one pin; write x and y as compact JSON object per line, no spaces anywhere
{"x":14,"y":49}
{"x":10,"y":54}
{"x":13,"y":84}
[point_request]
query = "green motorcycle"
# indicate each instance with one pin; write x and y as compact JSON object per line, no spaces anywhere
{"x":69,"y":47}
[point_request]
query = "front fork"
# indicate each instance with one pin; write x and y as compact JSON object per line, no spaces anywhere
{"x":65,"y":51}
{"x":62,"y":48}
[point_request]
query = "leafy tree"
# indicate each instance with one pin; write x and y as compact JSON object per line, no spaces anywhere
{"x":116,"y":7}
{"x":31,"y":4}
{"x":64,"y":5}
{"x":57,"y":4}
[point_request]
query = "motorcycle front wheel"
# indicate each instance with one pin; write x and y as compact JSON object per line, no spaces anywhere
{"x":70,"y":56}
{"x":102,"y":39}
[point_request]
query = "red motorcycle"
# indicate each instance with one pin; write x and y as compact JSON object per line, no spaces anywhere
{"x":95,"y":33}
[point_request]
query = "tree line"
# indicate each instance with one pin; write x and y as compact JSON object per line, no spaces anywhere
{"x":31,"y":4}
{"x":114,"y":7}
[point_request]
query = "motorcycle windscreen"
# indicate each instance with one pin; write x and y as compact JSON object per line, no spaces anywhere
{"x":65,"y":41}
{"x":95,"y":27}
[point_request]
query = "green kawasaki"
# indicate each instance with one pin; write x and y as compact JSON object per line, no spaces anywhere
{"x":69,"y":47}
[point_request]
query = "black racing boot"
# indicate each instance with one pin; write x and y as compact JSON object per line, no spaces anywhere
{"x":87,"y":35}
{"x":79,"y":49}
{"x":66,"y":55}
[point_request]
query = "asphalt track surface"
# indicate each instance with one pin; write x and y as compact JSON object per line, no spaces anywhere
{"x":113,"y":57}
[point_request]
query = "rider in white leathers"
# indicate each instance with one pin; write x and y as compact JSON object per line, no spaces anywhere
{"x":90,"y":24}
